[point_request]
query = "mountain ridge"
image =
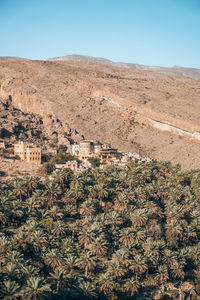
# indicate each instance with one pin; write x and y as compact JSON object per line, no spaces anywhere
{"x":175,"y":70}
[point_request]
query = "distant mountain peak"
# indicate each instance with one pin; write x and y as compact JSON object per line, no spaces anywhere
{"x":12,"y":58}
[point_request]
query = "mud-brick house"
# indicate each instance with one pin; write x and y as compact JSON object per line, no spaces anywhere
{"x":71,"y":164}
{"x":86,"y":149}
{"x":109,"y":155}
{"x":28,"y":152}
{"x":83,"y":150}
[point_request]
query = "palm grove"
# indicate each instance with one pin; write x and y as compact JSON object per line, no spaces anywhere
{"x":103,"y":234}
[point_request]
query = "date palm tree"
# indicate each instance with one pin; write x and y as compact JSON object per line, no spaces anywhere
{"x":98,"y":247}
{"x":86,"y":237}
{"x":114,"y":219}
{"x":19,"y":189}
{"x":87,"y":208}
{"x":36,"y":289}
{"x":53,"y":258}
{"x":14,"y":257}
{"x":70,"y":262}
{"x":31,"y":184}
{"x":53,"y":190}
{"x":3,"y":217}
{"x":162,"y":274}
{"x":59,"y":228}
{"x":29,"y":271}
{"x":38,"y":239}
{"x":139,"y":217}
{"x":10,"y":290}
{"x":86,"y":262}
{"x":11,"y":271}
{"x":122,"y":202}
{"x":107,"y":285}
{"x":57,"y":276}
{"x":138,"y":265}
{"x":87,"y":290}
{"x":131,"y":286}
{"x":63,"y":178}
{"x":39,"y":198}
{"x":115,"y":270}
{"x":101,"y":192}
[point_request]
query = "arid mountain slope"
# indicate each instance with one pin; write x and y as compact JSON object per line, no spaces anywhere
{"x":176,"y":70}
{"x":122,"y":106}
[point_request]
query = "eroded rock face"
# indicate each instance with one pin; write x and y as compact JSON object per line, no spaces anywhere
{"x":18,"y":125}
{"x":108,"y":104}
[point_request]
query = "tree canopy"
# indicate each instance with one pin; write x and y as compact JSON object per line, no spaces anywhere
{"x":131,"y":233}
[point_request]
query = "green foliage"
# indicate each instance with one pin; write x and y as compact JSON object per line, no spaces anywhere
{"x":95,"y":161}
{"x":103,"y":234}
{"x":61,"y":158}
{"x":48,"y":167}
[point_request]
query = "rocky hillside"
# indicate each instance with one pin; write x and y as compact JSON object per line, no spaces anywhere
{"x":16,"y":125}
{"x":135,"y":110}
{"x":175,"y":70}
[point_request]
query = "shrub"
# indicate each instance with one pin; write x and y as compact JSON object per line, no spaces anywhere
{"x":95,"y":162}
{"x":47,"y":168}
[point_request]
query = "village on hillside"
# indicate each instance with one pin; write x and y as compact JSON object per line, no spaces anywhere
{"x":83,"y":155}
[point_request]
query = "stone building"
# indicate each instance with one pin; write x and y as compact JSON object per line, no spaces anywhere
{"x":97,"y":147}
{"x":86,"y":149}
{"x":28,"y":152}
{"x":109,"y":155}
{"x":71,"y":164}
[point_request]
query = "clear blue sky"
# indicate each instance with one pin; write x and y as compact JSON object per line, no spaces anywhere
{"x":151,"y":32}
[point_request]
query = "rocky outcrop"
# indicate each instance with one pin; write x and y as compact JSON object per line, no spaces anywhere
{"x":18,"y":125}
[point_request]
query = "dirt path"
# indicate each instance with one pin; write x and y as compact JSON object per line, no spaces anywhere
{"x":154,"y":123}
{"x":166,"y":127}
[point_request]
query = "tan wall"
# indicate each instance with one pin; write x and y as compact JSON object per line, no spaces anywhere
{"x":73,"y":165}
{"x":75,"y":149}
{"x":20,"y":150}
{"x":97,"y":148}
{"x":28,"y":153}
{"x":86,"y":148}
{"x":33,"y":155}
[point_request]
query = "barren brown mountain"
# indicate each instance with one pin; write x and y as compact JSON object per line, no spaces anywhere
{"x":135,"y":110}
